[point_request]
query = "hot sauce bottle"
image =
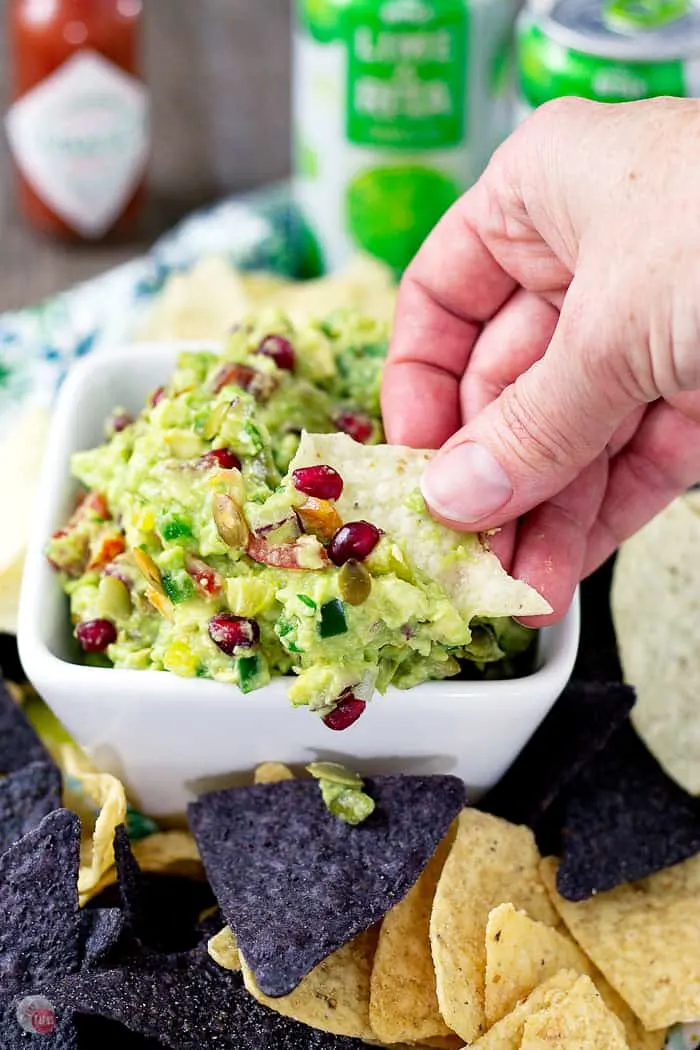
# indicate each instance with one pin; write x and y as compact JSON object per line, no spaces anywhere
{"x":78,"y":125}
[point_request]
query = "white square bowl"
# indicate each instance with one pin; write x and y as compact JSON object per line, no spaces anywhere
{"x":169,"y":738}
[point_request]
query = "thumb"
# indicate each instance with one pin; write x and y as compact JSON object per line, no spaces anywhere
{"x":533,"y":440}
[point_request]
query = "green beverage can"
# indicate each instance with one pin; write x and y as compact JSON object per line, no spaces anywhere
{"x":607,"y":50}
{"x":398,"y":105}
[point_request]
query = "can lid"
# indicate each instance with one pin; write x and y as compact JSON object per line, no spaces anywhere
{"x":631,"y":30}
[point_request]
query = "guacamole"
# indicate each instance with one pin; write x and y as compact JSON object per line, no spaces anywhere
{"x":196,"y":549}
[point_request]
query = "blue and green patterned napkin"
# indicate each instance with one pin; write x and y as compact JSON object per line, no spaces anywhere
{"x":261,"y":231}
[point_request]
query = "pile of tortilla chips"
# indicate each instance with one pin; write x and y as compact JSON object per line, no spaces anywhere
{"x":483,"y":951}
{"x":432,"y":923}
{"x":206,"y":301}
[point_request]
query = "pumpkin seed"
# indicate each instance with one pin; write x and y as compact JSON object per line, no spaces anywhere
{"x":354,"y":582}
{"x":114,"y":598}
{"x":148,"y":569}
{"x":160,"y":603}
{"x":214,"y":422}
{"x":229,"y":521}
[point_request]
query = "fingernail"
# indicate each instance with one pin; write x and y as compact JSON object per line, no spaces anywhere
{"x":466,"y":483}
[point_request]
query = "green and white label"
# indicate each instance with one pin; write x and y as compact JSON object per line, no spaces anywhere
{"x":407,"y":70}
{"x":397,"y":107}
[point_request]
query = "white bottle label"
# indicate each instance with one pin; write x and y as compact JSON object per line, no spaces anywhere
{"x":81,"y":138}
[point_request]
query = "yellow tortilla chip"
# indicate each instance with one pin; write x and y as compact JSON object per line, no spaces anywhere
{"x":644,"y":937}
{"x":97,"y":851}
{"x":169,"y":853}
{"x":21,"y":454}
{"x":99,"y":791}
{"x":335,"y":995}
{"x":522,"y":953}
{"x":211,"y":297}
{"x":10,"y":583}
{"x":580,"y":1020}
{"x":224,"y":950}
{"x":490,"y":863}
{"x":508,"y":1033}
{"x":403,"y":1004}
{"x":162,"y":853}
{"x":272,"y":773}
{"x":366,"y":285}
{"x":444,"y":1042}
{"x":203,"y":303}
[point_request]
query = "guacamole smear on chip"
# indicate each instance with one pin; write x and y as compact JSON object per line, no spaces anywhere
{"x":248,"y":523}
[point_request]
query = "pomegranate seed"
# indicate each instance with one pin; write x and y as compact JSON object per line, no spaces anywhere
{"x":233,"y":632}
{"x":95,"y":635}
{"x":235,"y":374}
{"x":157,"y":396}
{"x":356,"y":424}
{"x":356,"y":540}
{"x":207,"y":579}
{"x":221,"y":457}
{"x":120,"y":421}
{"x":322,"y":482}
{"x":280,"y":350}
{"x":347,"y":711}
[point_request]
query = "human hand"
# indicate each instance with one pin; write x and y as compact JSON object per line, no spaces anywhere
{"x":547,"y":339}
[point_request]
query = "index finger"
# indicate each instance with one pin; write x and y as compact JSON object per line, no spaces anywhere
{"x":452,"y":287}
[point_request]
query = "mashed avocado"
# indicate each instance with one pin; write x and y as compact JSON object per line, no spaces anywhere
{"x":193,"y":551}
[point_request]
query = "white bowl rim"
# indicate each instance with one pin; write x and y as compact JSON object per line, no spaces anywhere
{"x":41,"y":664}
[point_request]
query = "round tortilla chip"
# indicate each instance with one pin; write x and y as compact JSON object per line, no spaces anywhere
{"x":655,"y":603}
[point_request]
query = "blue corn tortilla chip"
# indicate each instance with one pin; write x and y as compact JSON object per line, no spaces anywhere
{"x":26,"y":797}
{"x":160,"y":912}
{"x":39,"y":923}
{"x":295,"y":883}
{"x":19,"y":744}
{"x":129,"y":880}
{"x":97,"y":1033}
{"x":101,"y":931}
{"x":581,"y":722}
{"x":109,"y":932}
{"x":624,"y":819}
{"x":187,"y":1002}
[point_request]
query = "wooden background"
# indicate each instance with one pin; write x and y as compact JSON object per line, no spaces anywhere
{"x":219,"y":72}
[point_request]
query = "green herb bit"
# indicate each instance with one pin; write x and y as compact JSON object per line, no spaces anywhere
{"x":178,"y":590}
{"x":248,"y":670}
{"x":333,"y":620}
{"x":176,"y":528}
